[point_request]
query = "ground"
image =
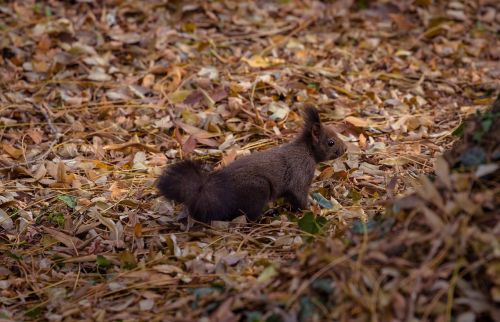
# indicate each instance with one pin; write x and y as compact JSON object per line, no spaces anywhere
{"x":96,"y":98}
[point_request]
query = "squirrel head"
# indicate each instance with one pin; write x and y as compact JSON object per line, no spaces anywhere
{"x":322,"y":140}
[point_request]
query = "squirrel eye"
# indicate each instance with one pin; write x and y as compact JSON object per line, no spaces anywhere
{"x":331,"y":142}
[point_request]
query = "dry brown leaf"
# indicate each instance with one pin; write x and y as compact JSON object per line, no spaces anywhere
{"x":71,"y":242}
{"x":12,"y":151}
{"x":35,"y":135}
{"x":357,"y":122}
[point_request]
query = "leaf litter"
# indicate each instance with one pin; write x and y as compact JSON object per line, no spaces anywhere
{"x":96,"y":99}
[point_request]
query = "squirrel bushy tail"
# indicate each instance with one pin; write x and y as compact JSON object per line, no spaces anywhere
{"x":181,"y":181}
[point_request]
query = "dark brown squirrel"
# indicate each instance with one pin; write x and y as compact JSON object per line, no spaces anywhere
{"x":246,"y":185}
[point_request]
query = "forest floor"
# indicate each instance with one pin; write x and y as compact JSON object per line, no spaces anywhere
{"x":96,"y":98}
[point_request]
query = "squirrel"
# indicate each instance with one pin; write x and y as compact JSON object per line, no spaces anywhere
{"x":246,"y":185}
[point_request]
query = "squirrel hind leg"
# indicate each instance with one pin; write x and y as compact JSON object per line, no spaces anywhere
{"x":254,"y":202}
{"x":211,"y":205}
{"x":255,"y":210}
{"x":296,"y":201}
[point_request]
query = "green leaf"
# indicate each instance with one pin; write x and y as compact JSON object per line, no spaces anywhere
{"x":34,"y":312}
{"x":48,"y":11}
{"x":70,"y":201}
{"x":311,"y":224}
{"x":322,"y":201}
{"x":103,"y":261}
{"x":3,"y":315}
{"x":321,"y":221}
{"x":307,"y":309}
{"x":308,"y":223}
{"x":362,"y":4}
{"x":459,"y":131}
{"x":210,"y":307}
{"x":360,"y":227}
{"x":59,"y":261}
{"x":274,"y":318}
{"x":127,"y":260}
{"x":200,"y":292}
{"x":355,"y":195}
{"x":268,"y":273}
{"x":486,"y":123}
{"x":473,"y":157}
{"x":56,"y":218}
{"x":253,"y":316}
{"x":323,"y":285}
{"x":37,"y":8}
{"x":13,"y":255}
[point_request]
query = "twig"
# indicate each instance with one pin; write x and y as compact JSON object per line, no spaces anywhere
{"x":45,"y":111}
{"x":303,"y":25}
{"x":58,"y":135}
{"x":258,"y":119}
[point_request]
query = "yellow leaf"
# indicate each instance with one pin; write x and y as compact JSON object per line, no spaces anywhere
{"x":101,"y":165}
{"x":357,"y":122}
{"x":116,"y":191}
{"x":399,"y":161}
{"x":179,"y":96}
{"x":403,"y":53}
{"x":257,"y":61}
{"x":342,"y":90}
{"x":436,"y":30}
{"x":267,"y":274}
{"x":189,"y":117}
{"x":40,"y":66}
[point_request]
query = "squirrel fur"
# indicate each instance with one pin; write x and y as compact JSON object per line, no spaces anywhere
{"x":246,"y":185}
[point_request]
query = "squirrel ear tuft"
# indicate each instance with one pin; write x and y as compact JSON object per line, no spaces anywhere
{"x":311,"y":117}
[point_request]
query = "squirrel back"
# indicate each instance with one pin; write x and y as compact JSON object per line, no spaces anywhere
{"x":246,"y":185}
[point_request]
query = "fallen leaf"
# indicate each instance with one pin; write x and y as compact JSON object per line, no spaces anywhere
{"x":98,"y":74}
{"x":210,"y":72}
{"x":357,"y":122}
{"x":12,"y":151}
{"x":179,"y":96}
{"x":395,"y":161}
{"x":267,"y":274}
{"x":189,"y":145}
{"x":5,"y":221}
{"x":258,"y":61}
{"x":139,"y":162}
{"x":146,"y":305}
{"x":69,"y":241}
{"x":127,"y":38}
